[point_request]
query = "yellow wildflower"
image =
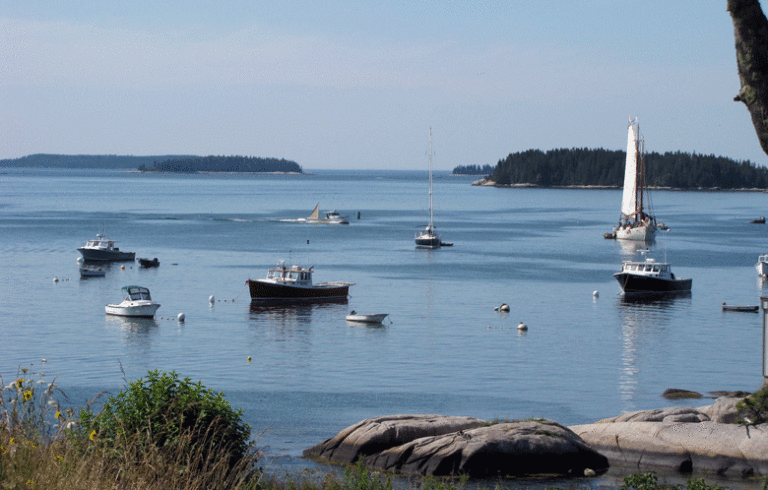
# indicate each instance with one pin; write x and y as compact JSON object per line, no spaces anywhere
{"x":58,"y":414}
{"x":13,"y":440}
{"x":30,"y":482}
{"x":27,"y":395}
{"x":19,"y":382}
{"x":58,"y":458}
{"x":93,"y":435}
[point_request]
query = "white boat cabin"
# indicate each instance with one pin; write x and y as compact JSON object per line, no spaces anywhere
{"x":136,"y":293}
{"x":100,"y":243}
{"x":649,"y":268}
{"x":292,"y":276}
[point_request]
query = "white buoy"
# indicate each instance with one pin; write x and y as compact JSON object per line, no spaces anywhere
{"x":522,"y":326}
{"x":122,"y":267}
{"x":44,"y":360}
{"x":55,"y":279}
{"x":181,"y":317}
{"x":495,"y":308}
{"x":211,"y":300}
{"x":504,"y":307}
{"x":596,"y":294}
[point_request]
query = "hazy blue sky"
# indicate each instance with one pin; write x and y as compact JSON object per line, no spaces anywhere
{"x":351,"y":84}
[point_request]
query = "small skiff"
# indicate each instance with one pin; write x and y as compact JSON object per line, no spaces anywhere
{"x":750,"y":309}
{"x":92,"y":272}
{"x":357,"y":317}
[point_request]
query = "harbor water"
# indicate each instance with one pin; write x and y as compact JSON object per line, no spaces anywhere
{"x":442,"y":350}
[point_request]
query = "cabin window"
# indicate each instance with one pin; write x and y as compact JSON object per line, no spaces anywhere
{"x":655,"y":268}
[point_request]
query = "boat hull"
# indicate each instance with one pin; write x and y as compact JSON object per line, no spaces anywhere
{"x":378,"y":318}
{"x":95,"y":255}
{"x":267,"y":291}
{"x":642,"y":233}
{"x":92,"y":272}
{"x":633,"y":283}
{"x":425,"y":240}
{"x":144,"y":310}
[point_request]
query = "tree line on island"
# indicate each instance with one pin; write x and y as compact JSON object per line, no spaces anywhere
{"x":224,"y":164}
{"x":599,"y":167}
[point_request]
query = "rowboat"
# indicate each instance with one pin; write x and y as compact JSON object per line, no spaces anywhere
{"x":358,"y":317}
{"x":749,"y":309}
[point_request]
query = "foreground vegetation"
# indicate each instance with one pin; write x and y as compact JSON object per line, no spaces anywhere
{"x":166,"y":432}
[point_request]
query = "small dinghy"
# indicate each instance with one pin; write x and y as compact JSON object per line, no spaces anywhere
{"x":92,"y":272}
{"x":358,"y":317}
{"x":147,"y":263}
{"x":749,"y":308}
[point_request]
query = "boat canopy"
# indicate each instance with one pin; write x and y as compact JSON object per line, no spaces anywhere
{"x":136,"y":293}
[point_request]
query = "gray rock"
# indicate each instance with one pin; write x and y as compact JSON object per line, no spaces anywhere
{"x":380,"y":433}
{"x":507,"y":449}
{"x":724,"y":410}
{"x":669,"y":414}
{"x":726,"y":449}
{"x":440,"y":446}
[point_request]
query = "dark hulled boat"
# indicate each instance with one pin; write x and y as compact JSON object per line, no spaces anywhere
{"x":295,"y":283}
{"x":650,"y":276}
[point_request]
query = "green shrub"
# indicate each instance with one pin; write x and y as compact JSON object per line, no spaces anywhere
{"x":755,"y":407}
{"x":168,"y":413}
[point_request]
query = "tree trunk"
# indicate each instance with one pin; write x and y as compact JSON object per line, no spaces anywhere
{"x":751,"y":31}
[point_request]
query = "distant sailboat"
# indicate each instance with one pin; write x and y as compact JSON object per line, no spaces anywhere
{"x":634,"y":222}
{"x":428,"y":237}
{"x":315,"y":214}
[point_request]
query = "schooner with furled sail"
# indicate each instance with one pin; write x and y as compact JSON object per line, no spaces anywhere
{"x":634,"y":222}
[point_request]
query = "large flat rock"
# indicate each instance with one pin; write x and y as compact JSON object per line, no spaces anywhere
{"x":442,"y":446}
{"x":726,"y":449}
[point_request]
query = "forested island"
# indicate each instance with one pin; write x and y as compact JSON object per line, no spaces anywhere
{"x":44,"y":160}
{"x":224,"y":164}
{"x":599,"y":167}
{"x":473,"y":170}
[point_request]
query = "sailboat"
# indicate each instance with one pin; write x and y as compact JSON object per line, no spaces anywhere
{"x":634,"y":222}
{"x":428,"y":237}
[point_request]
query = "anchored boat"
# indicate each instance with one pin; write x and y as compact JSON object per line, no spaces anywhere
{"x":634,"y":222}
{"x":295,"y":283}
{"x":137,"y":302}
{"x":650,"y":276}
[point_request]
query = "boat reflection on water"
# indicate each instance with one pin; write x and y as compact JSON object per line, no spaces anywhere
{"x":136,"y":331}
{"x":644,"y":317}
{"x":297,"y":312}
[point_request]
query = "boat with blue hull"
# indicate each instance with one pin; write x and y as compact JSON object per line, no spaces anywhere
{"x":102,"y":249}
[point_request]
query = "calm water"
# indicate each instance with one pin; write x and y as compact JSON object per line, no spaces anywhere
{"x":445,"y":351}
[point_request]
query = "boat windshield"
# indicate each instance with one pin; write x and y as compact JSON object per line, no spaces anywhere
{"x":137,"y":293}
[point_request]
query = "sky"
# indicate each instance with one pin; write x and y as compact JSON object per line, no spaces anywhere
{"x":351,"y":84}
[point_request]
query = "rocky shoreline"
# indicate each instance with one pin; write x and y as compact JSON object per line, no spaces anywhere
{"x":705,"y":439}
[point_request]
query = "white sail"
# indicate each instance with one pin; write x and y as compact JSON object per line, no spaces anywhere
{"x":629,"y":198}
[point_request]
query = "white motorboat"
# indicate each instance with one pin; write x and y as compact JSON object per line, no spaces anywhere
{"x":358,"y":317}
{"x":428,"y":237}
{"x":762,"y":265}
{"x":331,"y":217}
{"x":634,"y":222}
{"x":650,"y":276}
{"x":137,"y":302}
{"x":104,"y":249}
{"x":92,"y":272}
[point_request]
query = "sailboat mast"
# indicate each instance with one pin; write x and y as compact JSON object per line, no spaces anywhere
{"x":640,"y":145}
{"x":431,"y":223}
